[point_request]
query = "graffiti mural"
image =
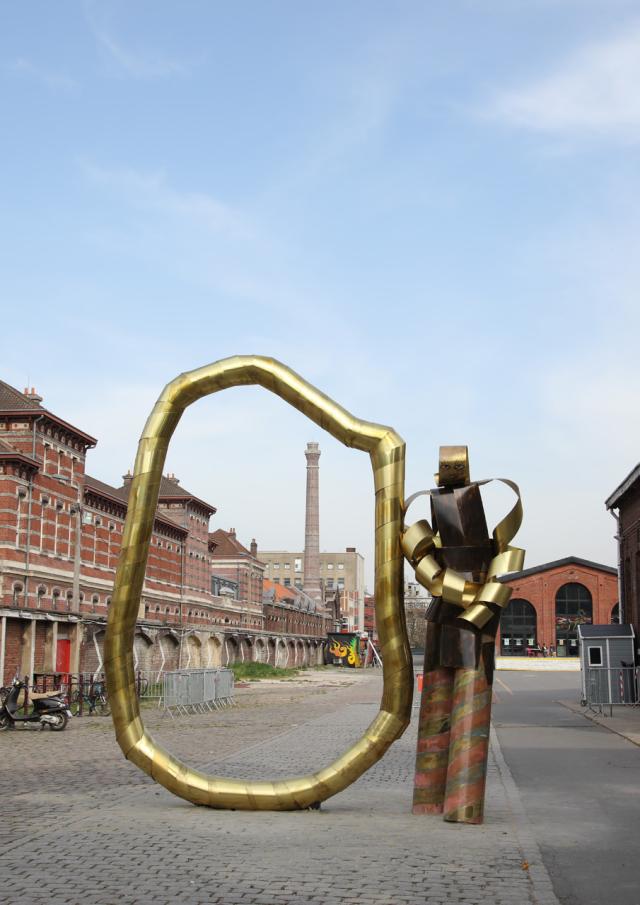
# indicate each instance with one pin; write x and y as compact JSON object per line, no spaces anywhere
{"x":344,"y":649}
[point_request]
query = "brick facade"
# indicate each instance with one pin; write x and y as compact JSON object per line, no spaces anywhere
{"x":626,"y":499}
{"x":60,"y":537}
{"x":594,"y":588}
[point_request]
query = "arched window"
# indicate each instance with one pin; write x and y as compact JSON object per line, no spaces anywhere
{"x":518,"y":628}
{"x":615,"y":614}
{"x":574,"y":607}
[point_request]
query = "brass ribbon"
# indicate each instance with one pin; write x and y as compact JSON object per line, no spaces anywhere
{"x":474,"y":599}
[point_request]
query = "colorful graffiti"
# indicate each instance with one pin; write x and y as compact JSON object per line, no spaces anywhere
{"x":344,"y":649}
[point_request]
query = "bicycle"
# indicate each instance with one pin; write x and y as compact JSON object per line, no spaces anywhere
{"x":95,"y":697}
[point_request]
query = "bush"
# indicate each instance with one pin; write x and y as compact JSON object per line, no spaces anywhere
{"x":252,"y":670}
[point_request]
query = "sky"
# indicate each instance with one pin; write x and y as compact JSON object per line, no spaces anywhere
{"x":427,"y":210}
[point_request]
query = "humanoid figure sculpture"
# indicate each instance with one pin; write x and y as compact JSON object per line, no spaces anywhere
{"x":458,"y":562}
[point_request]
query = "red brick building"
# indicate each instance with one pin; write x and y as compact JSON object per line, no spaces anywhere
{"x":626,"y":499}
{"x":232,"y":561}
{"x":549,"y":602}
{"x":60,"y":537}
{"x":370,"y":616}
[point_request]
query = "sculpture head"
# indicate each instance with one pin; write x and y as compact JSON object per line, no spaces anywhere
{"x":453,"y":469}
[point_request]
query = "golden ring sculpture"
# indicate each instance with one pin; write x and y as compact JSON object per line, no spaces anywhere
{"x":387,"y":452}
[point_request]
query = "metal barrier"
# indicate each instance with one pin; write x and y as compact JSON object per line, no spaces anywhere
{"x":611,"y":686}
{"x":199,"y":690}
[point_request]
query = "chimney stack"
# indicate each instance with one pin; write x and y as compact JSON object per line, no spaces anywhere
{"x":127,"y":478}
{"x":312,"y":585}
{"x":254,"y":548}
{"x":32,"y":395}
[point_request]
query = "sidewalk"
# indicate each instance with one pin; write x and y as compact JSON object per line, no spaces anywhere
{"x":116,"y":837}
{"x":625,"y":720}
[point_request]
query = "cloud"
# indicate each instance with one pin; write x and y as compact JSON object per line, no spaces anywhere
{"x":152,"y":192}
{"x":55,"y":81}
{"x":138,"y":63}
{"x":595,"y":91}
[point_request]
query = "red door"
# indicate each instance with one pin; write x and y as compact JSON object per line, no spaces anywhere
{"x":63,"y":655}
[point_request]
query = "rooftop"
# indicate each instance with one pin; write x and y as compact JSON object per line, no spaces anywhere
{"x":13,"y":401}
{"x":558,"y":563}
{"x":631,"y":479}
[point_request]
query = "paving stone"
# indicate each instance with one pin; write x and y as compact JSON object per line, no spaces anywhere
{"x":107,"y":834}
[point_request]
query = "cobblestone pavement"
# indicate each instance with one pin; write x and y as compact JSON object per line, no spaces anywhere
{"x":81,"y":825}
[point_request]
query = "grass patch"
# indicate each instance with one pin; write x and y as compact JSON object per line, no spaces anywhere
{"x":249,"y":671}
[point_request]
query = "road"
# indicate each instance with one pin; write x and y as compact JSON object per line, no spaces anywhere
{"x":580,"y":786}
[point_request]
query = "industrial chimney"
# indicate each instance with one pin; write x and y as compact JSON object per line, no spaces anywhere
{"x":311,"y":584}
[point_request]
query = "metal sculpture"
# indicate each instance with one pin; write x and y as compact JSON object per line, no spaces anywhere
{"x":387,"y":453}
{"x":458,"y":563}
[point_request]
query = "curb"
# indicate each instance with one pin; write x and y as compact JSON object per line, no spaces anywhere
{"x":542,"y":887}
{"x":601,"y":721}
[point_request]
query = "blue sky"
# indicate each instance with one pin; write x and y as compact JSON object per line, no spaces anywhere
{"x":428,"y":210}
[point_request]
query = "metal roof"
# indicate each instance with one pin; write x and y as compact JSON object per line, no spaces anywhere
{"x":605,"y":631}
{"x":567,"y":561}
{"x":613,"y":501}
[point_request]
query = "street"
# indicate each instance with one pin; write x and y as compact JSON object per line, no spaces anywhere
{"x":81,"y":826}
{"x":579,"y":784}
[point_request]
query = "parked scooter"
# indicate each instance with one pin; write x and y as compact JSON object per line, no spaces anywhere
{"x":48,"y":709}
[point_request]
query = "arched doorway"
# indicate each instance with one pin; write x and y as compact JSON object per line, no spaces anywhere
{"x":574,"y":607}
{"x":518,"y":628}
{"x":193,"y":652}
{"x":214,"y":652}
{"x":232,"y":649}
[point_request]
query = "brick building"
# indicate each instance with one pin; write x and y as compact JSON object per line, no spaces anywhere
{"x":549,"y":602}
{"x":342,"y":572}
{"x":290,"y":611}
{"x":626,"y":499}
{"x":60,"y":537}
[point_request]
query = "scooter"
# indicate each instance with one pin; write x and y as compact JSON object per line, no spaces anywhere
{"x":48,"y":709}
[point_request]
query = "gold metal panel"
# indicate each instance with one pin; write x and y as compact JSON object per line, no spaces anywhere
{"x":387,"y":453}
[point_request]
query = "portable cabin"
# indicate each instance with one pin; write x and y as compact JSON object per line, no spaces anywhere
{"x":607,"y":663}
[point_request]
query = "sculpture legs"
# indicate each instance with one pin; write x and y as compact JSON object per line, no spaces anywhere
{"x":434,"y":730}
{"x":453,"y":744}
{"x":468,"y":747}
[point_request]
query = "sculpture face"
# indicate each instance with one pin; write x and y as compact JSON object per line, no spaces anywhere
{"x":386,"y":451}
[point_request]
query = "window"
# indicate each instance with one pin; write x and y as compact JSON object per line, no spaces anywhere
{"x":330,"y":566}
{"x":276,"y":565}
{"x":573,"y":608}
{"x":340,"y":565}
{"x":341,"y":584}
{"x":287,"y":565}
{"x":287,"y":582}
{"x":330,"y":583}
{"x":595,"y":656}
{"x":297,"y":565}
